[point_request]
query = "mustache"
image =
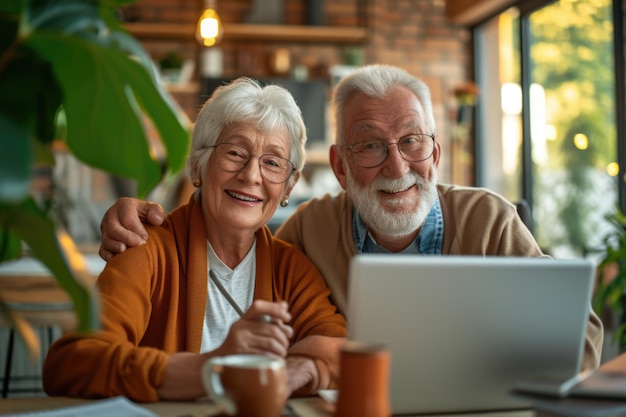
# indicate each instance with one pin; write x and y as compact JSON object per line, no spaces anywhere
{"x":389,"y":184}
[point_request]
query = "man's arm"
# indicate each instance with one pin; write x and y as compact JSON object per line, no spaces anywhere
{"x":122,"y":225}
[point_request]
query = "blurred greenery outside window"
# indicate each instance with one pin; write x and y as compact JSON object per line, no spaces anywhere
{"x":570,"y":174}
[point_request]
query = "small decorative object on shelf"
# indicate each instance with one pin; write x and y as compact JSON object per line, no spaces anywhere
{"x":176,"y":70}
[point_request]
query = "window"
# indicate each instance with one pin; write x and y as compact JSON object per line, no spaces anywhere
{"x":547,"y":131}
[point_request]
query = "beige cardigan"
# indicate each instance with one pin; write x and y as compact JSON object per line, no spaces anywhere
{"x":476,"y":222}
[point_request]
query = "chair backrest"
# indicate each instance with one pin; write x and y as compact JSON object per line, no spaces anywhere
{"x":523,"y":209}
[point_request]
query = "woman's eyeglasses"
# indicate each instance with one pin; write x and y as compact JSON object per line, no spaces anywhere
{"x":233,"y":158}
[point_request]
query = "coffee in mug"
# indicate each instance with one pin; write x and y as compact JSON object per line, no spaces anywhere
{"x":246,"y":385}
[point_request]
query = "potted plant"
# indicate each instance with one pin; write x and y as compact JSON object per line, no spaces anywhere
{"x":69,"y":71}
{"x":611,"y":277}
{"x":171,"y":66}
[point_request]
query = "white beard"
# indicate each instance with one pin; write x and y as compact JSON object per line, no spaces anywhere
{"x":380,"y":220}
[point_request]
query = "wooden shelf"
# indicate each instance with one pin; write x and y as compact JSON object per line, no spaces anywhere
{"x":254,"y":32}
{"x":183,"y":88}
{"x":293,"y":33}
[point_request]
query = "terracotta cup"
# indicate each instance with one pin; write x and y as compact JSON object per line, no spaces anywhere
{"x":363,"y":381}
{"x":246,"y":385}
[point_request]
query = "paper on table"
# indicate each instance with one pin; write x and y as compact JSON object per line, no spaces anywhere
{"x":118,"y":407}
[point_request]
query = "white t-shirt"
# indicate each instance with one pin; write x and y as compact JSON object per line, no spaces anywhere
{"x":219,"y":315}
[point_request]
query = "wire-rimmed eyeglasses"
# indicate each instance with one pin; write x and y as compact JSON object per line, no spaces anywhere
{"x":372,"y":153}
{"x":233,"y":158}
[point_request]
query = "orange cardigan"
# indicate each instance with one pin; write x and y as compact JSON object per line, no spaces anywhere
{"x":153,"y":302}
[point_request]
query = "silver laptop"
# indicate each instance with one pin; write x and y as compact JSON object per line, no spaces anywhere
{"x":464,"y":331}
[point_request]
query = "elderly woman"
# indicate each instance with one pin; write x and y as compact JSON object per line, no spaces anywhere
{"x":212,"y":280}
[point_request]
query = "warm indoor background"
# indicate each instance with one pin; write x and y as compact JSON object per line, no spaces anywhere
{"x":277,"y":41}
{"x":528,"y":98}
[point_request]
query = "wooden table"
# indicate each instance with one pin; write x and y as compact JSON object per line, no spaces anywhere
{"x":303,"y":407}
{"x":29,"y":288}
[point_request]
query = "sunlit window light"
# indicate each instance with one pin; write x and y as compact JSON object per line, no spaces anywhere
{"x":581,"y":141}
{"x":613,"y":169}
{"x":511,"y":99}
{"x":550,"y":132}
{"x":511,"y":143}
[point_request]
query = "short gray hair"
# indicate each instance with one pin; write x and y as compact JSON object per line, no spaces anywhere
{"x":376,"y":81}
{"x":244,"y":101}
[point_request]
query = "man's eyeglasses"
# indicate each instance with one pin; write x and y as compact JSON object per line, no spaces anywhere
{"x":372,"y":153}
{"x":233,"y":158}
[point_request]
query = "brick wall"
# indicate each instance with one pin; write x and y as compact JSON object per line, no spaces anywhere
{"x":416,"y":35}
{"x":413,"y":34}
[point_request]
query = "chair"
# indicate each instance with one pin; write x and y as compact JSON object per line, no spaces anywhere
{"x":525,"y":213}
{"x":47,"y":337}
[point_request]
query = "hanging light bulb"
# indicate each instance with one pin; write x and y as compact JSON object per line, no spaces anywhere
{"x":210,"y":29}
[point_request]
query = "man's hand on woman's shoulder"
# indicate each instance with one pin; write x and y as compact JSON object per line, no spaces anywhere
{"x":122,"y":225}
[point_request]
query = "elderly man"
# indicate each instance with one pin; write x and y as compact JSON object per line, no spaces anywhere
{"x":385,"y":157}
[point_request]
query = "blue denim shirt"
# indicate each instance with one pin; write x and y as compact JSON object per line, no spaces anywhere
{"x":429,"y":240}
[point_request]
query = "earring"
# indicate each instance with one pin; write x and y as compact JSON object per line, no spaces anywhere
{"x":196,"y":183}
{"x":284,"y":202}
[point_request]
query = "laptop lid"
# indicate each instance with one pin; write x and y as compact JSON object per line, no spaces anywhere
{"x":464,"y":331}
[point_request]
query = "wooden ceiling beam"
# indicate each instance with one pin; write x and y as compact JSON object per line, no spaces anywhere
{"x":471,"y":12}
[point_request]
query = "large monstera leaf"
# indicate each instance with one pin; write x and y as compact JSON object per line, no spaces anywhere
{"x":70,"y":61}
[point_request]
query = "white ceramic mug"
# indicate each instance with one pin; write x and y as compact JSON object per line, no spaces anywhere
{"x":246,"y":385}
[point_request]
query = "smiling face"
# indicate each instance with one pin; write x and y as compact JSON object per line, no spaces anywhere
{"x":395,"y":197}
{"x":243,"y":201}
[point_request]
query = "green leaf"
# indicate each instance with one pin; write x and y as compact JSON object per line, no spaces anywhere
{"x":11,"y":7}
{"x":620,"y":336}
{"x":174,"y":137}
{"x":30,"y":94}
{"x":69,"y":71}
{"x":170,"y":121}
{"x":66,"y":16}
{"x":110,"y":135}
{"x":104,"y":128}
{"x":48,"y":101}
{"x":15,"y":161}
{"x":58,"y":253}
{"x":10,"y":245}
{"x":9,"y":19}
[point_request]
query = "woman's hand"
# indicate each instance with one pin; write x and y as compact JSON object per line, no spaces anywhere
{"x":254,"y":333}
